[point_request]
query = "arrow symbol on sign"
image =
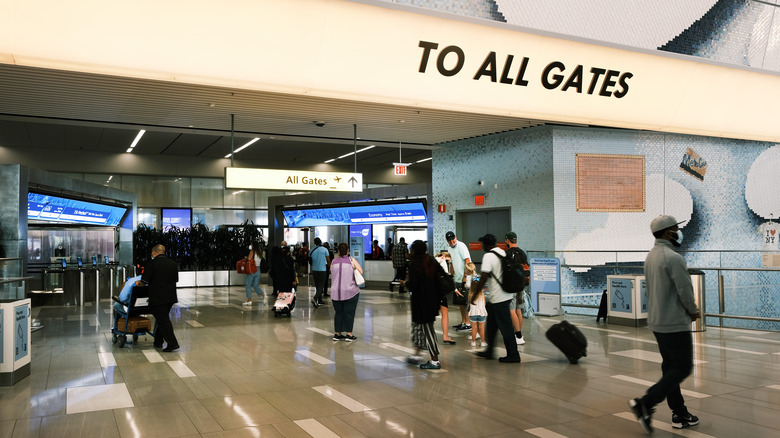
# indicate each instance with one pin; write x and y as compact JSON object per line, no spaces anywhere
{"x":353,"y":181}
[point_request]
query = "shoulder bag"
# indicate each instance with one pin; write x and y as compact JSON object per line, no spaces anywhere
{"x":359,"y":280}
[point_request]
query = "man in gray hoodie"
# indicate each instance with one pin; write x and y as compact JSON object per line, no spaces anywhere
{"x":671,"y":309}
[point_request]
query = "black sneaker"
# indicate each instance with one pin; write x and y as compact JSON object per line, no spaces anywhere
{"x":461,"y":327}
{"x":338,"y":337}
{"x":643,"y":415}
{"x":349,"y":338}
{"x":685,"y":420}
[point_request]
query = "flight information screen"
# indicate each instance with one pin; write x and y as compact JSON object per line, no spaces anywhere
{"x":48,"y":208}
{"x":408,"y":212}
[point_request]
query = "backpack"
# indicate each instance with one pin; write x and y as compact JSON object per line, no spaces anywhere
{"x":521,"y":260}
{"x":512,"y":279}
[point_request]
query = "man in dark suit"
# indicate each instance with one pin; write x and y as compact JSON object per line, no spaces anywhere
{"x":161,"y":275}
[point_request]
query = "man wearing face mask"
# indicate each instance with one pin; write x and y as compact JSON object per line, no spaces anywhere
{"x":670,"y":310}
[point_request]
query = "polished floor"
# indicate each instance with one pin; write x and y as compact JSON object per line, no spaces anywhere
{"x":243,"y":373}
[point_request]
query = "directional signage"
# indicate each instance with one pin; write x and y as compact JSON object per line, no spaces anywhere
{"x":292,"y":180}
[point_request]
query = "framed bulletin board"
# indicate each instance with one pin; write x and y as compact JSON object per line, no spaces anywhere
{"x":612,"y":183}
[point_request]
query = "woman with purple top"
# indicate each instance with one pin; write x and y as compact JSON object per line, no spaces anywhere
{"x":344,"y":293}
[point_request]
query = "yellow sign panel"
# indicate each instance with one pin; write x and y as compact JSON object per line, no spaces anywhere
{"x":292,"y":180}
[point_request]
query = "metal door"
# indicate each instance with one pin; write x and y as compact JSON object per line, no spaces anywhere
{"x":474,"y":224}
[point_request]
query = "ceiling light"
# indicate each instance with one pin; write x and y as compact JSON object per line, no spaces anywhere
{"x":424,"y":159}
{"x":137,"y":139}
{"x":351,"y":153}
{"x":246,"y":145}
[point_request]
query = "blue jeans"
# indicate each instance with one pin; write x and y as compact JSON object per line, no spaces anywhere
{"x":677,"y":353}
{"x":253,"y":282}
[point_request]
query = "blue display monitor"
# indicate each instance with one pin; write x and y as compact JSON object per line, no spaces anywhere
{"x":79,"y":262}
{"x":55,"y":209}
{"x":176,"y":217}
{"x":364,"y":232}
{"x":374,"y":213}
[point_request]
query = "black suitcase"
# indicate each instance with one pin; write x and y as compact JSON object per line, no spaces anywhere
{"x":569,"y":339}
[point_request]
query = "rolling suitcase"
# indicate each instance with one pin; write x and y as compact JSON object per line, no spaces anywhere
{"x":284,"y":304}
{"x":569,"y":339}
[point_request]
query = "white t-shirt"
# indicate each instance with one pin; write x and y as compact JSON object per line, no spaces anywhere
{"x":770,"y":236}
{"x":458,"y":255}
{"x":478,"y":308}
{"x":491,"y":264}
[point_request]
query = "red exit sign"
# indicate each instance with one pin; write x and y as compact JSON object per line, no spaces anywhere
{"x":479,"y":199}
{"x":400,"y":168}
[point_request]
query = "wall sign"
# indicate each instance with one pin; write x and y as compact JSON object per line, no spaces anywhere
{"x":495,"y":68}
{"x":545,"y":279}
{"x":695,"y":165}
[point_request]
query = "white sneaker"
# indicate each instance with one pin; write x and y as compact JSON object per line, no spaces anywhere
{"x":472,"y":339}
{"x":520,"y":340}
{"x":246,"y":303}
{"x":484,"y":344}
{"x":473,"y":344}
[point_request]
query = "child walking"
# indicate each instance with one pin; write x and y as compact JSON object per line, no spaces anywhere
{"x":477,"y":311}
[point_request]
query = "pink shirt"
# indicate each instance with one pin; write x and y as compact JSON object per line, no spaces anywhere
{"x":342,"y":279}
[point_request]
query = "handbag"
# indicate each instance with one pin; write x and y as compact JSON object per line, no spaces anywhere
{"x":359,"y":280}
{"x":245,"y":266}
{"x":460,"y":300}
{"x":444,"y":282}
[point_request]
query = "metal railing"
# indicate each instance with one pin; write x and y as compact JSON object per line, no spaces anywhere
{"x":618,"y":266}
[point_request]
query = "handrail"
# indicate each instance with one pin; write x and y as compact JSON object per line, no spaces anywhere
{"x":721,"y":288}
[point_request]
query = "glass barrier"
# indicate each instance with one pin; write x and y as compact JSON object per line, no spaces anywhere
{"x":739,"y":291}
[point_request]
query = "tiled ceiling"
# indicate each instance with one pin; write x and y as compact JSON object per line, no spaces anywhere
{"x":42,"y":109}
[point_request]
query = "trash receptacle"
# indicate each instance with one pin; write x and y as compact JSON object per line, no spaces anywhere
{"x":697,"y":278}
{"x":14,"y":341}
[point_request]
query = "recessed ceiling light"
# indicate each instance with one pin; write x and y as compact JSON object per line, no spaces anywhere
{"x":246,"y":145}
{"x":137,"y":139}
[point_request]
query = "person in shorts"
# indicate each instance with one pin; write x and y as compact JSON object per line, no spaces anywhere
{"x":443,"y":258}
{"x":477,"y":312}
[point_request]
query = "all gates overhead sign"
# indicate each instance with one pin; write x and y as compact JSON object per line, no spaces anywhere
{"x":292,"y":180}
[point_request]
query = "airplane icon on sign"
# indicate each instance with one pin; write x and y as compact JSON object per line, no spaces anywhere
{"x":337,"y":178}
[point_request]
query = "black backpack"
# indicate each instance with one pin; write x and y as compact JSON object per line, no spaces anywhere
{"x":520,"y":260}
{"x":512,"y":278}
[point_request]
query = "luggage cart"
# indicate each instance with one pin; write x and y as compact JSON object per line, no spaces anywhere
{"x":139,"y":305}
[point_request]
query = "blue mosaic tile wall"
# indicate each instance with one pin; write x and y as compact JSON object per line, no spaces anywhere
{"x":519,"y":163}
{"x":722,"y":230}
{"x":741,"y":32}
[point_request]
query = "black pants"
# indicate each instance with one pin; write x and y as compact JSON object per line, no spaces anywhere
{"x":344,"y":318}
{"x":319,"y":284}
{"x":400,"y":275}
{"x":677,"y":353}
{"x":498,"y":318}
{"x":164,"y":330}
